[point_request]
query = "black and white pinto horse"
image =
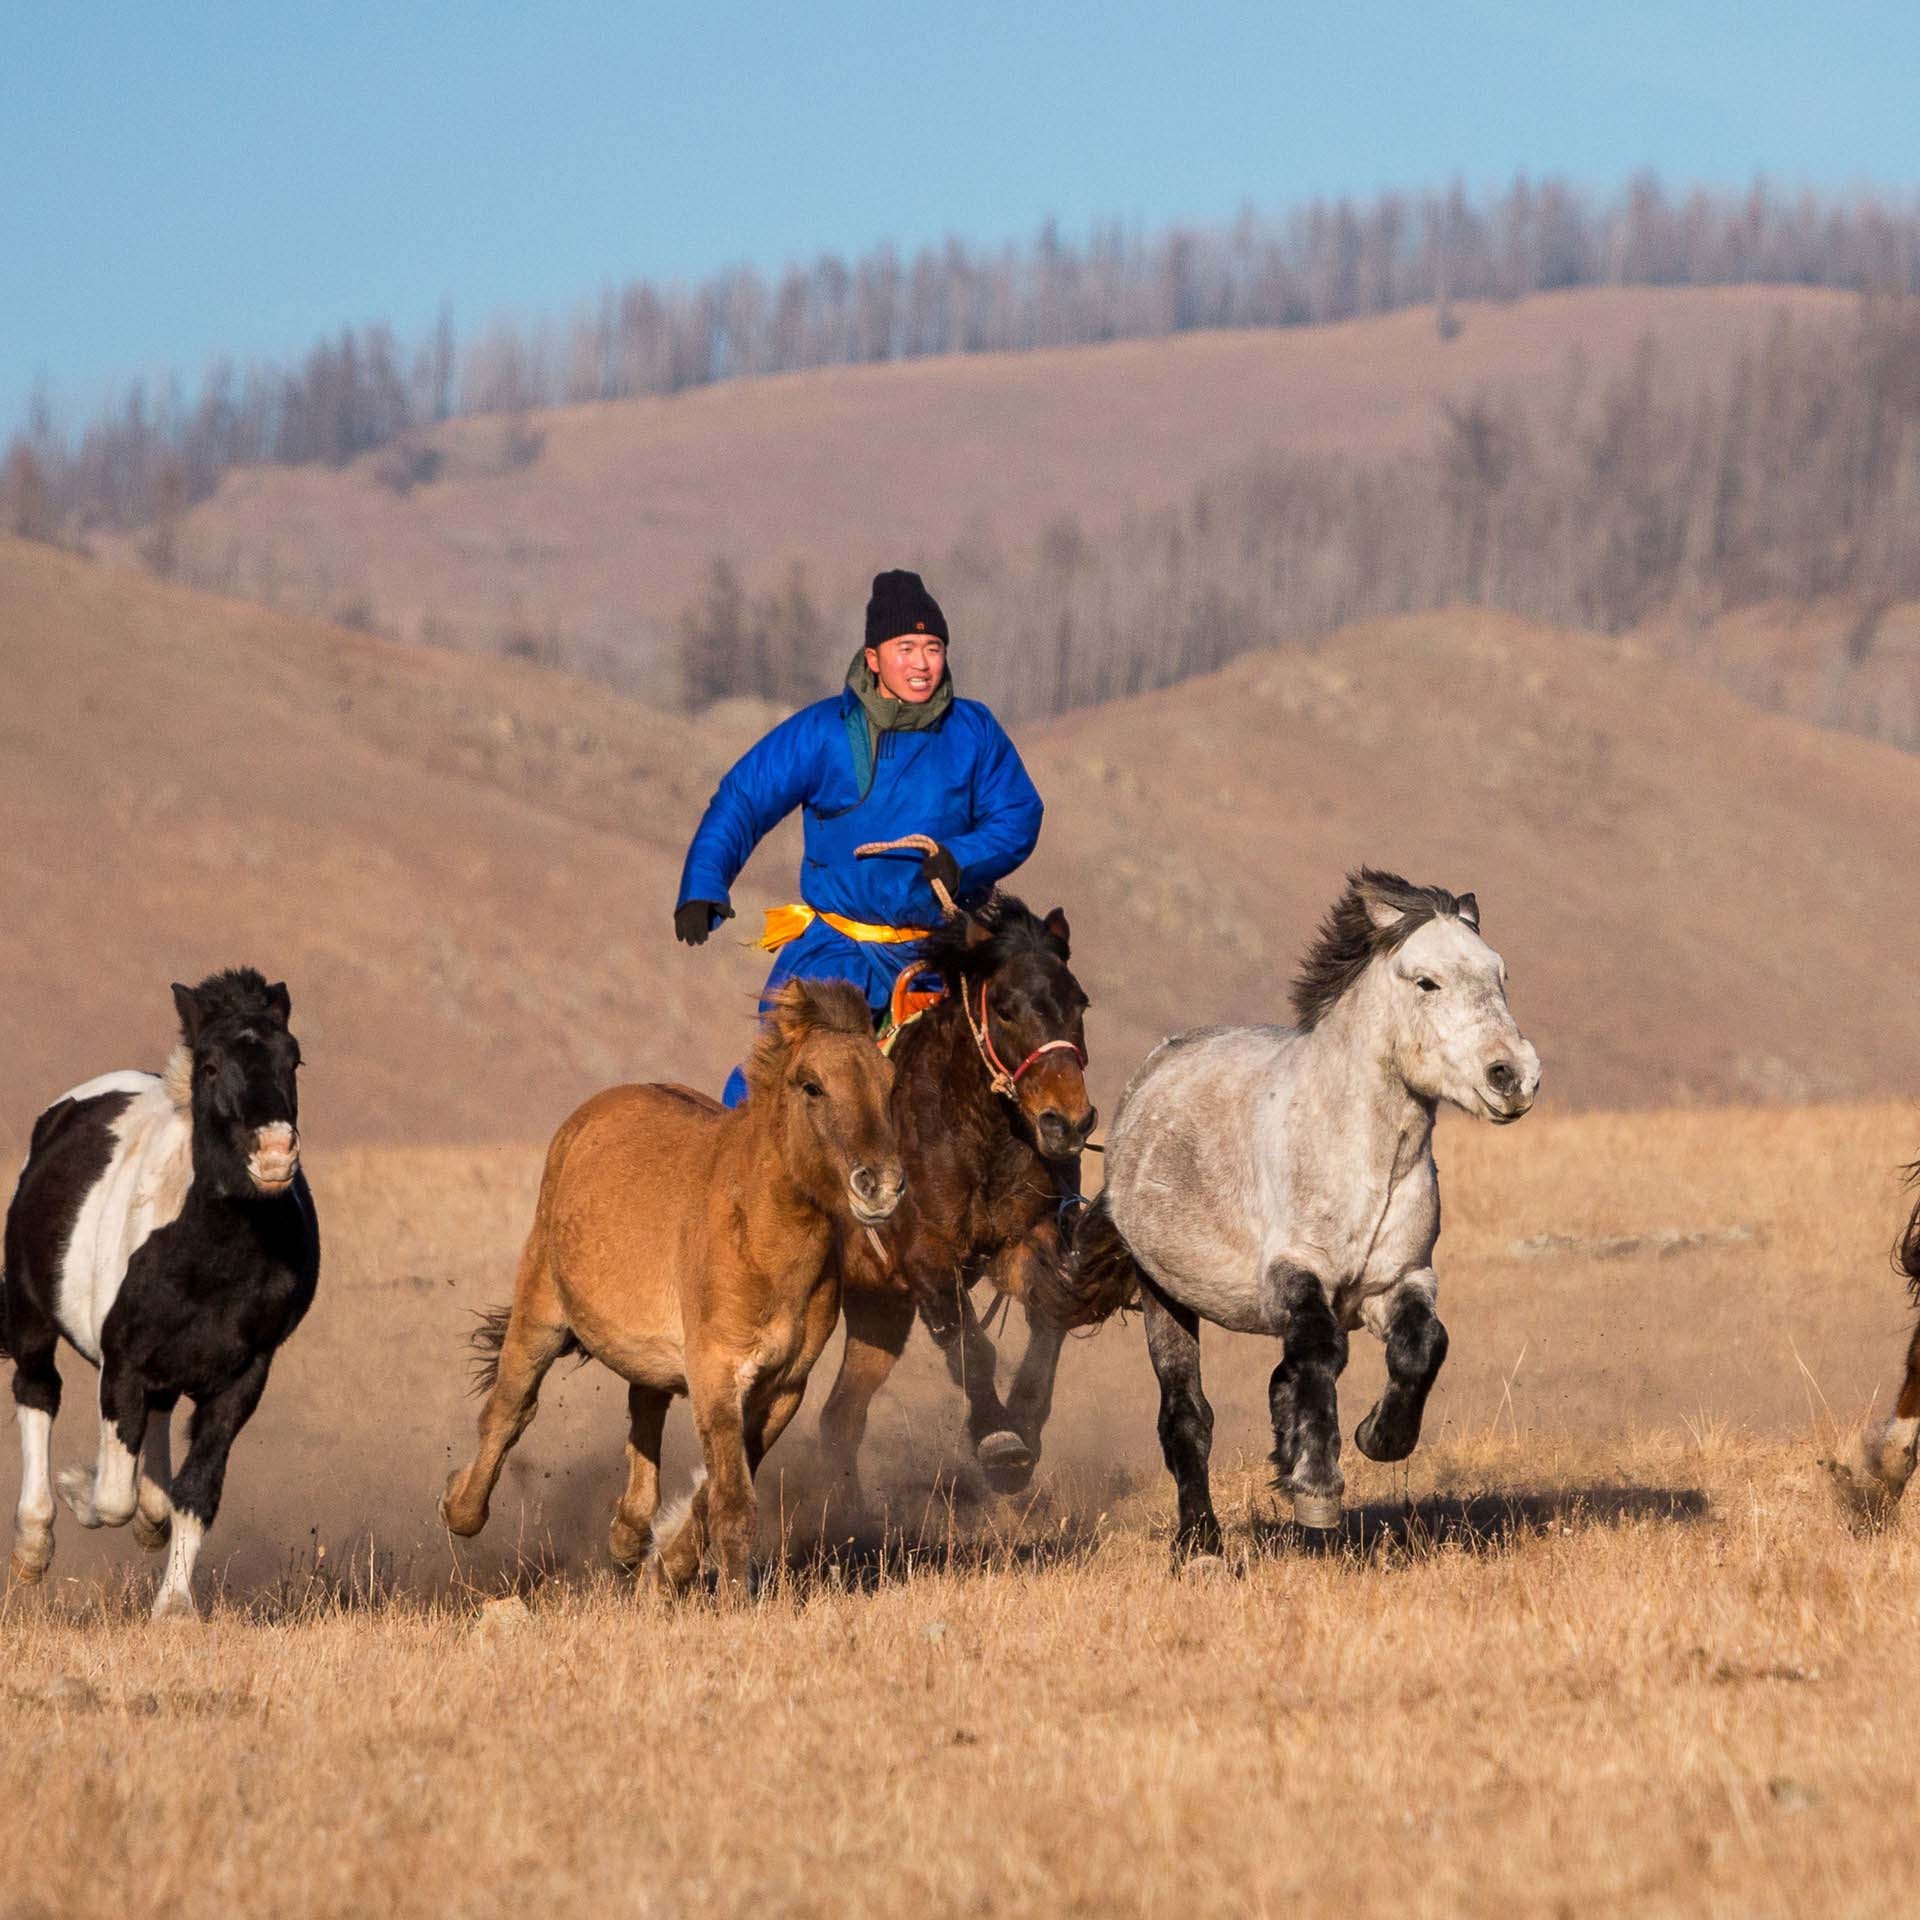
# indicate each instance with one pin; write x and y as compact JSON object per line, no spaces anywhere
{"x":162,"y":1224}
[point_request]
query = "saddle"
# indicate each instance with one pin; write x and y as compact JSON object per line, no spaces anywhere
{"x":915,"y":989}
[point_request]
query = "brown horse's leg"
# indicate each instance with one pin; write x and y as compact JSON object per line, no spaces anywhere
{"x":1031,"y":1400}
{"x":721,"y":1509}
{"x":536,"y":1337}
{"x":877,"y":1329}
{"x":632,"y":1530}
{"x":1005,"y":1459}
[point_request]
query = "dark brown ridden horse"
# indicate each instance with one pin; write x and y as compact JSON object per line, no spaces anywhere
{"x":990,"y":1106}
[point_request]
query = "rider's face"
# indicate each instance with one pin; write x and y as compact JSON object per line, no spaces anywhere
{"x":909,"y":667}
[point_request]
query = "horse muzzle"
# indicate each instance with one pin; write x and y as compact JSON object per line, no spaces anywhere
{"x":874,"y":1193}
{"x":275,"y":1158}
{"x":1511,"y":1087}
{"x":1060,"y":1137}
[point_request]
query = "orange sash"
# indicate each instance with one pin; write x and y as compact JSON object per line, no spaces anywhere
{"x":788,"y":923}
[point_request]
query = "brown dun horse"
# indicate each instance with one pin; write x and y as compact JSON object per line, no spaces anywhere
{"x":691,"y":1249}
{"x":1884,"y":1455}
{"x":990,"y":1103}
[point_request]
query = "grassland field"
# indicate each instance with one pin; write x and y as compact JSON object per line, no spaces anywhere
{"x":1605,"y":1644}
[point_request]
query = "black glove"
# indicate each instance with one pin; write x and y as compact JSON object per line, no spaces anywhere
{"x":695,"y":919}
{"x":942,"y":866}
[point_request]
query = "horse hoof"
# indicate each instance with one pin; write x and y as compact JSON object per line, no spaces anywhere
{"x":1861,"y":1480}
{"x":152,"y":1535}
{"x":29,"y":1573}
{"x":1366,"y":1436}
{"x":1006,"y":1460}
{"x":1203,"y":1569}
{"x":464,"y":1524}
{"x":628,"y":1546}
{"x":76,"y":1489}
{"x":173,"y":1605}
{"x":1317,"y":1511}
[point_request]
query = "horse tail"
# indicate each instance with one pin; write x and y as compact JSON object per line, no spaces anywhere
{"x":489,"y":1337}
{"x":1098,"y":1278}
{"x":1906,"y":1252}
{"x":486,"y":1340}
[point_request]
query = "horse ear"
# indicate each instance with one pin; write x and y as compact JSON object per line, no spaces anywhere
{"x":188,"y":1008}
{"x":281,"y":1001}
{"x":978,"y":932}
{"x":1470,"y":911}
{"x":1384,"y":914}
{"x":1056,"y":924}
{"x":790,"y":1011}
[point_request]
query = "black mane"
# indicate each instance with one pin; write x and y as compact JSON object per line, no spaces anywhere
{"x":236,"y":993}
{"x":1348,"y":941}
{"x":1012,"y":928}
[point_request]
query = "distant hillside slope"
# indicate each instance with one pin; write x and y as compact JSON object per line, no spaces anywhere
{"x":593,"y":527}
{"x":188,"y":782}
{"x":1697,"y":901}
{"x":465,"y":867}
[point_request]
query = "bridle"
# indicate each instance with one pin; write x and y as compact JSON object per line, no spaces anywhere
{"x":1001,"y":1081}
{"x":998,"y":1078}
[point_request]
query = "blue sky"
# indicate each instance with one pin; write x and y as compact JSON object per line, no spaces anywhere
{"x":180,"y":179}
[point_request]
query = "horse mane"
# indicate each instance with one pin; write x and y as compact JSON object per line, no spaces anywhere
{"x":177,"y":1076}
{"x":1348,"y":942}
{"x":237,"y":993}
{"x":796,"y":1010}
{"x":1906,"y":1252}
{"x":957,"y":953}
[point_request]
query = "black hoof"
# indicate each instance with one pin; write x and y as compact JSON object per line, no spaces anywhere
{"x":1379,"y":1441}
{"x":1006,"y":1461}
{"x":1202,"y":1544}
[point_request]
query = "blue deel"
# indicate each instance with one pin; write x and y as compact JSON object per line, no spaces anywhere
{"x":961,"y":783}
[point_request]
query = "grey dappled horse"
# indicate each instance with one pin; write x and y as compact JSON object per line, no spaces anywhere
{"x":1280,"y":1180}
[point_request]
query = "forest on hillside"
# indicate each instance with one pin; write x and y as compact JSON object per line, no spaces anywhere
{"x":161,"y":445}
{"x":1597,"y":506}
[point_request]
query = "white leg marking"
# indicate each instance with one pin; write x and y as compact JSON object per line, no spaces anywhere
{"x":33,"y":1516}
{"x":155,"y":1515}
{"x":103,"y":1495}
{"x":175,"y":1598}
{"x":668,"y":1522}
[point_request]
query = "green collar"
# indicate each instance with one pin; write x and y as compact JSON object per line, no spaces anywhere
{"x":874,"y":714}
{"x":897,"y":716}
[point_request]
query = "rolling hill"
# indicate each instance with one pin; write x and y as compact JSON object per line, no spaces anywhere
{"x":464,"y":867}
{"x":588,"y":529}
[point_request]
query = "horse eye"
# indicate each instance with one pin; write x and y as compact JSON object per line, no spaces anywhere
{"x":813,"y":1089}
{"x":1428,"y":986}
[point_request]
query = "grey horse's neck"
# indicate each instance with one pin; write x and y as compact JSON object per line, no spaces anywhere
{"x":1369,"y":1120}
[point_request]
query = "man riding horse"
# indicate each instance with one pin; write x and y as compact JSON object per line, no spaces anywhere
{"x":894,"y":753}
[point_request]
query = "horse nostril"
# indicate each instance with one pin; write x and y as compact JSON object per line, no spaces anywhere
{"x":1502,"y":1078}
{"x":878,"y":1185}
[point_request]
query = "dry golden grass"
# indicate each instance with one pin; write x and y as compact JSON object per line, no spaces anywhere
{"x":1605,"y":1644}
{"x":1685,"y":1687}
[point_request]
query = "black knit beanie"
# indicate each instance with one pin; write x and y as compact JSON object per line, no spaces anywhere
{"x":902,"y":604}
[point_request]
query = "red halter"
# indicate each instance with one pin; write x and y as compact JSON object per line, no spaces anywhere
{"x":1003,"y":1081}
